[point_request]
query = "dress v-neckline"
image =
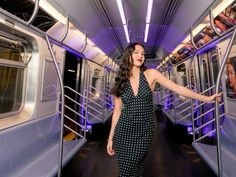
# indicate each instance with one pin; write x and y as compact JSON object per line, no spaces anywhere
{"x":132,"y":90}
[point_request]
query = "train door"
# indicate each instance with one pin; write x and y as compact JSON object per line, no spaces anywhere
{"x":166,"y":93}
{"x":182,"y":105}
{"x":108,"y":78}
{"x":72,"y":81}
{"x":214,"y":68}
{"x":207,"y":88}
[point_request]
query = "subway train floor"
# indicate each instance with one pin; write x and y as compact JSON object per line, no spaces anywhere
{"x":170,"y":156}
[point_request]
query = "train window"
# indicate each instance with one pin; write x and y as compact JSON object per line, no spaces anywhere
{"x":215,"y":67}
{"x":204,"y":75}
{"x":12,"y":74}
{"x":181,"y":75}
{"x":192,"y":78}
{"x":95,"y":81}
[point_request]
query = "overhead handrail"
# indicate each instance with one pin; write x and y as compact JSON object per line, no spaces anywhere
{"x":62,"y":105}
{"x":212,"y":22}
{"x":223,"y":63}
{"x":85,"y":44}
{"x":66,"y":31}
{"x":35,"y":12}
{"x":192,"y":41}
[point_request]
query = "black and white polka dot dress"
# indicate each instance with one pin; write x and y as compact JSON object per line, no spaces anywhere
{"x":134,"y":129}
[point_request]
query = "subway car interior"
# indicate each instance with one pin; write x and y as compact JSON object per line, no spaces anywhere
{"x":58,"y":63}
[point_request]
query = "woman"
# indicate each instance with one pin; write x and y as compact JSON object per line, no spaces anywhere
{"x":133,"y":117}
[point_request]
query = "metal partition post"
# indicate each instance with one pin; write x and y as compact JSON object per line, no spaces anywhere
{"x":62,"y":106}
{"x":219,"y":161}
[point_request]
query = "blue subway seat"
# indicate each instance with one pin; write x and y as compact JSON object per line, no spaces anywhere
{"x":228,"y":147}
{"x":32,"y":149}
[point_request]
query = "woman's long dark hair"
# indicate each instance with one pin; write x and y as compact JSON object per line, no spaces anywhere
{"x":124,"y":71}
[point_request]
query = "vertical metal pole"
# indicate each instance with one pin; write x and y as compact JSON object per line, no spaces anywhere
{"x":217,"y":118}
{"x":87,"y":96}
{"x":192,"y":112}
{"x":62,"y":107}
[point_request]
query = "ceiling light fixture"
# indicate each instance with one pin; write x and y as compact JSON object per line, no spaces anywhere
{"x":124,"y":22}
{"x":148,"y":19}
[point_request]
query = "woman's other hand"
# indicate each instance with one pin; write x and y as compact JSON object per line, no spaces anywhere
{"x":110,"y":149}
{"x":214,"y":97}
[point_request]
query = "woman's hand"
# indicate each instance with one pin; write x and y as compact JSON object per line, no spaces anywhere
{"x":110,"y":149}
{"x":214,"y":97}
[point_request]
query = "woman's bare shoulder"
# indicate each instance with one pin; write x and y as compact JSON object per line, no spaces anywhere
{"x":151,"y":72}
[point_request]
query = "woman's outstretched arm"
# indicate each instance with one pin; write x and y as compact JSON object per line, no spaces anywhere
{"x":156,"y":76}
{"x":115,"y":118}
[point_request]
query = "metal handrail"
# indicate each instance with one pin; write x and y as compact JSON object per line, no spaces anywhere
{"x":75,"y":101}
{"x":198,"y":106}
{"x":167,"y":96}
{"x":75,"y":92}
{"x":66,"y":30}
{"x":73,"y":131}
{"x":92,"y":101}
{"x":219,"y":161}
{"x":94,"y":116}
{"x":212,"y":120}
{"x":97,"y":89}
{"x":210,"y":88}
{"x":210,"y":110}
{"x":94,"y":109}
{"x":75,"y":122}
{"x":212,"y":22}
{"x":205,"y":135}
{"x":183,"y":103}
{"x":78,"y":114}
{"x":185,"y":117}
{"x":35,"y":12}
{"x":184,"y":110}
{"x":97,"y":97}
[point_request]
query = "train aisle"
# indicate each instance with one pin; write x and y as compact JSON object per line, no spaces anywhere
{"x":169,"y":157}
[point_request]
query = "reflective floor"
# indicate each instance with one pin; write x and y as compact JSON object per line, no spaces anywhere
{"x":171,"y":155}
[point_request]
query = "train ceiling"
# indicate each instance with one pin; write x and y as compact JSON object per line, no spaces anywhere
{"x":101,"y":21}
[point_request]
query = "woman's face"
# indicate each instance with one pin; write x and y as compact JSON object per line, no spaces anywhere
{"x":138,"y":56}
{"x":231,"y":76}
